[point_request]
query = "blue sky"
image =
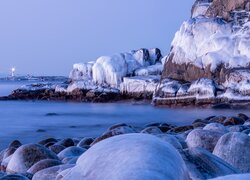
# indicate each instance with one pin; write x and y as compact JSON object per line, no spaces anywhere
{"x":45,"y":37}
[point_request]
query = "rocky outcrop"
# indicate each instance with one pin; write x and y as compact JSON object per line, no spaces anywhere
{"x":213,"y":45}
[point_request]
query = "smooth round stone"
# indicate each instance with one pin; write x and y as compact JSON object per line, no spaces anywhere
{"x":51,"y":173}
{"x":243,"y":116}
{"x":216,"y":127}
{"x":203,"y":138}
{"x":14,"y":177}
{"x":43,"y":164}
{"x":152,"y":130}
{"x":15,"y":144}
{"x":181,"y":129}
{"x":5,"y":163}
{"x":233,"y":121}
{"x":234,"y":148}
{"x":56,"y":148}
{"x":66,"y":142}
{"x":234,"y":177}
{"x":61,"y":175}
{"x":48,"y":140}
{"x":218,"y":119}
{"x":71,"y":152}
{"x":130,"y":156}
{"x":85,"y":142}
{"x":114,"y":131}
{"x":27,"y":155}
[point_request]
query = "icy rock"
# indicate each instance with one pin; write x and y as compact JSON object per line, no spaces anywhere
{"x":43,"y":164}
{"x":216,"y":127}
{"x":203,"y":138}
{"x":234,"y":148}
{"x":150,"y":70}
{"x":167,"y":88}
{"x":81,"y":71}
{"x":132,"y":156}
{"x":204,"y":165}
{"x":154,"y":55}
{"x":203,"y":87}
{"x":200,"y":8}
{"x":139,"y":84}
{"x":27,"y":155}
{"x":51,"y":173}
{"x":71,"y":152}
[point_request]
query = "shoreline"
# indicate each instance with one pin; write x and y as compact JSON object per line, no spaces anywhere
{"x":204,"y":134}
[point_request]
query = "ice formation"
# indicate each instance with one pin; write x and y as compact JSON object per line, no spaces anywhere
{"x":112,"y":71}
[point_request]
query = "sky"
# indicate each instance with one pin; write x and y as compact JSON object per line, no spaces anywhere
{"x":46,"y":37}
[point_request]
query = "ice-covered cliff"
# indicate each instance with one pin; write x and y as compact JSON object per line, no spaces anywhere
{"x":212,"y":46}
{"x":137,"y":71}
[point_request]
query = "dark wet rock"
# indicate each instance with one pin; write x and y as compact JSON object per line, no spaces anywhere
{"x":114,"y":132}
{"x":43,"y":164}
{"x":200,"y":121}
{"x":71,"y":152}
{"x":224,"y":8}
{"x":27,"y":155}
{"x":48,"y":140}
{"x":203,"y":138}
{"x":218,"y":119}
{"x":204,"y":165}
{"x":14,"y":177}
{"x":85,"y":142}
{"x":181,"y":129}
{"x":243,"y":116}
{"x":56,"y":148}
{"x":216,"y":127}
{"x":49,"y":144}
{"x":198,"y":124}
{"x":40,"y":130}
{"x":234,"y":149}
{"x":51,"y":114}
{"x":66,"y":142}
{"x":152,"y":130}
{"x":15,"y":144}
{"x":233,"y":121}
{"x":51,"y":173}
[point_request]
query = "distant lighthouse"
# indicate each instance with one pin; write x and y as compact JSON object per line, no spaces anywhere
{"x":13,"y":70}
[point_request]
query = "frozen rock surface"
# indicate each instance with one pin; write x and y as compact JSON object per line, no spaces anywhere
{"x":234,"y":177}
{"x":234,"y":148}
{"x":133,"y":156}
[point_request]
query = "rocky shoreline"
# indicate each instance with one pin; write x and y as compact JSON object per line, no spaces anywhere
{"x":207,"y":148}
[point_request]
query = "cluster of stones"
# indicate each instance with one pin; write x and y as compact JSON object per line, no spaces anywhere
{"x":209,"y":148}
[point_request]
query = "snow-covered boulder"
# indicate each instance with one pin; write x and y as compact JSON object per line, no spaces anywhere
{"x":133,"y":156}
{"x":81,"y":71}
{"x":139,"y":85}
{"x":167,"y":88}
{"x":234,"y":148}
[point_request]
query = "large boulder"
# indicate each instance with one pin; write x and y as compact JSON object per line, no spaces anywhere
{"x":234,"y":148}
{"x":43,"y":164}
{"x":71,"y":152}
{"x":131,"y":156}
{"x":203,"y":138}
{"x":234,"y":177}
{"x":27,"y":155}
